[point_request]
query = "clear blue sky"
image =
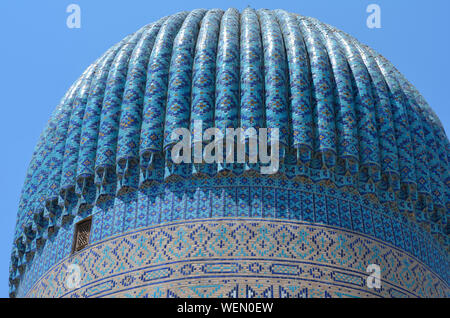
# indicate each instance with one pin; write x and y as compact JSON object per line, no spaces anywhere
{"x":40,"y":58}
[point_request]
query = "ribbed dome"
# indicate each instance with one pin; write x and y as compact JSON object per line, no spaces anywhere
{"x":347,"y":119}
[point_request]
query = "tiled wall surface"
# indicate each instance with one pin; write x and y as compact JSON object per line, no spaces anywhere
{"x":258,"y":199}
{"x":240,"y":257}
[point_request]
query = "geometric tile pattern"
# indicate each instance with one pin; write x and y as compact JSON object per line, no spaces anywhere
{"x":291,"y":200}
{"x":240,"y":257}
{"x":226,"y":197}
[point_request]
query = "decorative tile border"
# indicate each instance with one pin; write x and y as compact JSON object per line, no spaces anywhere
{"x":243,"y":197}
{"x":240,"y":257}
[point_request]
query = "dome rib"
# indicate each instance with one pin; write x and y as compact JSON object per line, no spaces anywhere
{"x":299,"y":86}
{"x":385,"y":122}
{"x":131,"y":111}
{"x":204,"y":71}
{"x":156,"y":89}
{"x":275,"y":77}
{"x":251,"y":110}
{"x":227,"y":97}
{"x":133,"y":97}
{"x":178,"y":105}
{"x":366,"y":114}
{"x":112,"y":106}
{"x":91,"y":122}
{"x":345,"y":108}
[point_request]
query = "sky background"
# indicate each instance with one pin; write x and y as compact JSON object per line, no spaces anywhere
{"x":40,"y":58}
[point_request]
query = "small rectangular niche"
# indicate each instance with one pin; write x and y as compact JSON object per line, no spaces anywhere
{"x":82,"y":232}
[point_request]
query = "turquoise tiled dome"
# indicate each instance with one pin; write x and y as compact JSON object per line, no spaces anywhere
{"x":353,"y":130}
